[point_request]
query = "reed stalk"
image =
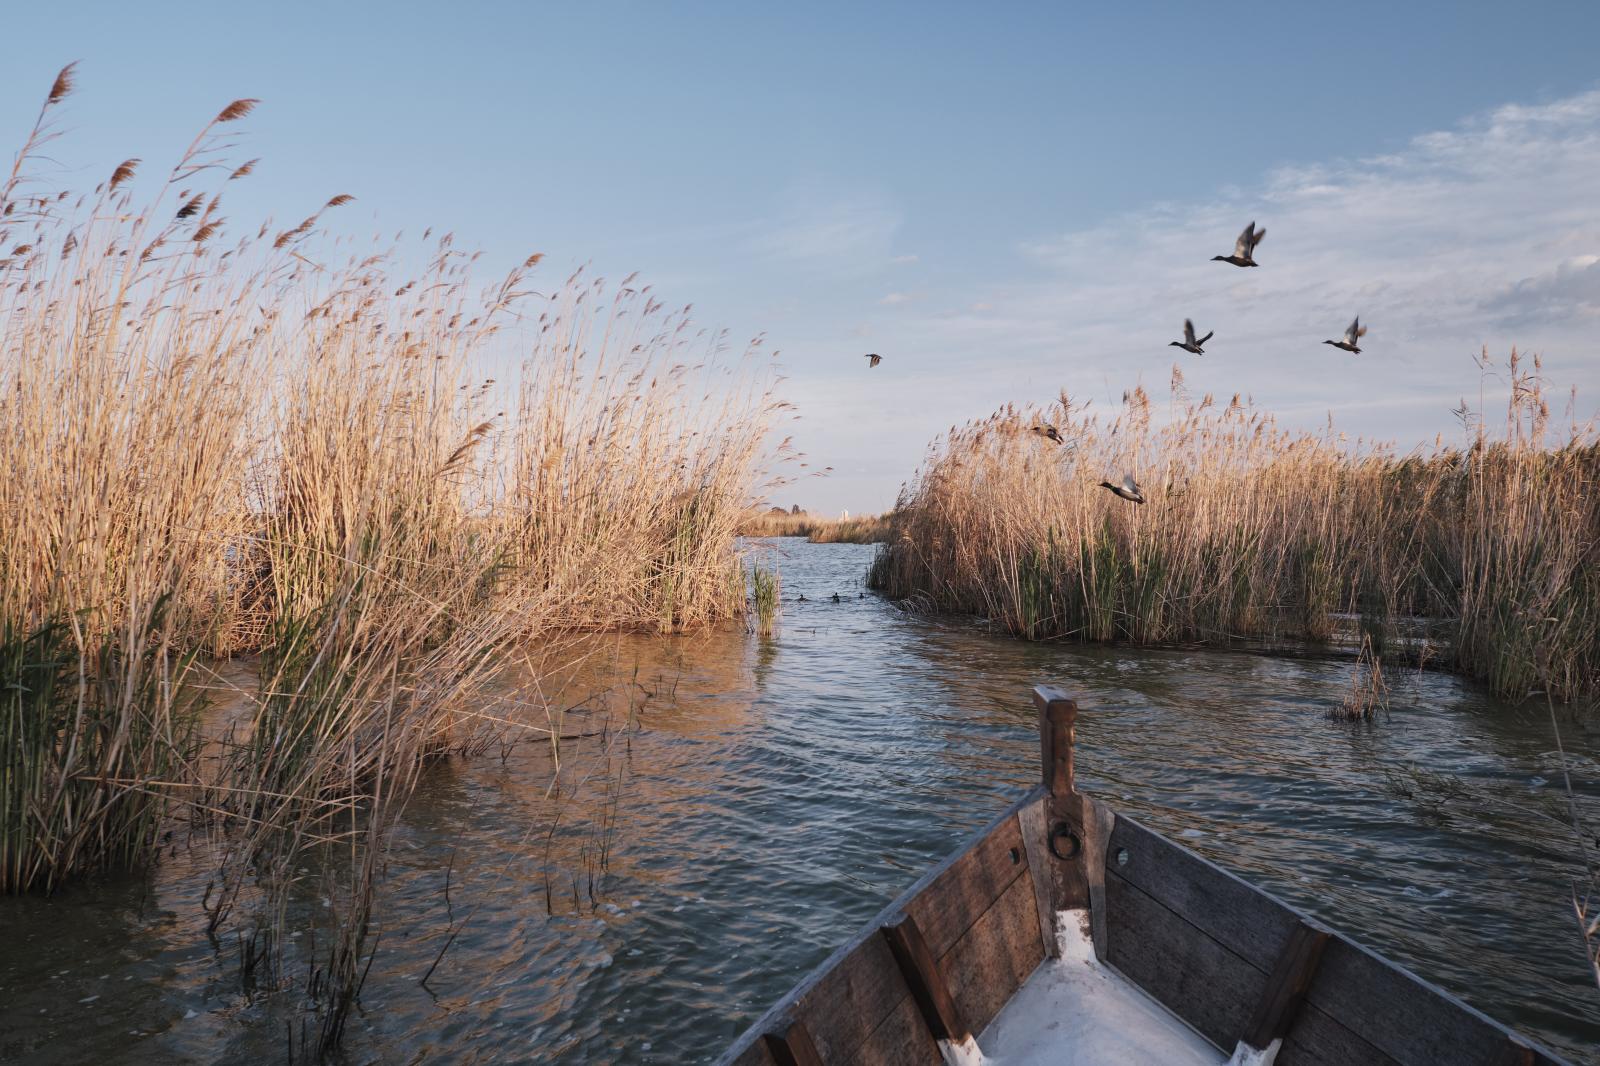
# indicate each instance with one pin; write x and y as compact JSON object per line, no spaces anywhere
{"x":273,"y":445}
{"x":1255,"y":533}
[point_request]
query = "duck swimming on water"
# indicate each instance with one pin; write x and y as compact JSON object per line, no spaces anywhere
{"x":1189,"y":344}
{"x":1128,"y":490}
{"x":1244,"y":249}
{"x":1351,"y":336}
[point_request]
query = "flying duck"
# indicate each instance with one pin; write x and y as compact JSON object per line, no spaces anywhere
{"x":1244,"y":249}
{"x":1351,"y":336}
{"x":873,"y":359}
{"x":1045,"y":429}
{"x":1189,"y":344}
{"x":1128,"y":490}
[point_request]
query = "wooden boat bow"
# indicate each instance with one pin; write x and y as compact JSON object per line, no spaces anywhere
{"x":1122,"y":946}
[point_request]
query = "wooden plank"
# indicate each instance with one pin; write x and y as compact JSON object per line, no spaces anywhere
{"x":1196,"y":978}
{"x":1403,"y":1016}
{"x":1286,"y":986}
{"x":987,"y":966}
{"x":1033,"y":828}
{"x":860,"y":978}
{"x":792,"y":1046}
{"x":948,"y":906}
{"x":1057,"y":715}
{"x":852,"y":999}
{"x":1099,"y":824}
{"x":1239,"y":916}
{"x":754,"y":1054}
{"x":901,"y":1040}
{"x":922,"y":975}
{"x":1317,"y":1040}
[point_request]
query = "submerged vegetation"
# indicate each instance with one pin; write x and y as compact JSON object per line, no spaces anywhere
{"x":1255,"y":533}
{"x":274,"y":444}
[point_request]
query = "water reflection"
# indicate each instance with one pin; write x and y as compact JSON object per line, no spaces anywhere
{"x":642,"y":893}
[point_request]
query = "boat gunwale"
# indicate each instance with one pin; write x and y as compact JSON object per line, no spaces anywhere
{"x":781,"y":1015}
{"x":778,"y":1015}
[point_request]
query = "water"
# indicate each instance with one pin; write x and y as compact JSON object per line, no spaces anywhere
{"x":766,"y":798}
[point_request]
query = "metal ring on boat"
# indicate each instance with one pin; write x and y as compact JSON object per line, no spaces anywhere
{"x":1062,"y":831}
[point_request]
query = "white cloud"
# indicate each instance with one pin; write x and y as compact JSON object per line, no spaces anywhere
{"x":903,"y":260}
{"x":1485,"y":234}
{"x":832,"y":230}
{"x":895,"y":298}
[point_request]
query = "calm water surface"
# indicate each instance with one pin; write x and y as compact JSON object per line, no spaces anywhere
{"x":752,"y":802}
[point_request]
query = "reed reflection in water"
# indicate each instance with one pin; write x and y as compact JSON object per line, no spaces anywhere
{"x":739,"y":806}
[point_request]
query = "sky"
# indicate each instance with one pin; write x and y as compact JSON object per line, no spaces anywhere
{"x":1005,"y":201}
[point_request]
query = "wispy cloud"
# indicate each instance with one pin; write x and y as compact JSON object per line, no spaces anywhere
{"x":1484,"y":234}
{"x":839,"y":231}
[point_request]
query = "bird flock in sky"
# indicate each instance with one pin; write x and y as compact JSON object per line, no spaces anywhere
{"x":1244,"y":255}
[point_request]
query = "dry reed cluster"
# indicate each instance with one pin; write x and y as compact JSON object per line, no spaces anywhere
{"x":271,"y":443}
{"x":1253,"y":532}
{"x":863,"y":529}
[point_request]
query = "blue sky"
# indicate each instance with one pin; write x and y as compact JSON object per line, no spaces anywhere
{"x":1003,"y":200}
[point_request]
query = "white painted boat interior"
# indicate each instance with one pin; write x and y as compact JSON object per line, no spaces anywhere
{"x":1074,"y":1010}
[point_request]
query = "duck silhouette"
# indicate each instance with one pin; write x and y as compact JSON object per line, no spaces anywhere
{"x":1351,"y":336}
{"x":1128,"y":490}
{"x":1244,"y":249}
{"x":1189,"y":344}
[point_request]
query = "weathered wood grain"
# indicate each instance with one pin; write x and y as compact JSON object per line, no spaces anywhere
{"x":852,"y":999}
{"x":1400,"y":1014}
{"x":1057,"y":714}
{"x":754,"y":1053}
{"x":792,"y":1046}
{"x":922,"y":974}
{"x":1032,"y":826}
{"x":948,"y":906}
{"x":901,"y":1040}
{"x":985,"y":967}
{"x":848,"y":996}
{"x":1286,"y":985}
{"x":1099,"y":824}
{"x":1233,"y":912}
{"x":1317,"y":1040}
{"x":1187,"y":971}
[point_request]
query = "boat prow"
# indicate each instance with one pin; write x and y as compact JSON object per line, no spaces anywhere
{"x":1066,"y":932}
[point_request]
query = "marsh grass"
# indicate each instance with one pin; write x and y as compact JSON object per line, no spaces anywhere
{"x":1369,"y":692}
{"x":1255,"y":533}
{"x":863,"y":529}
{"x":283,"y":444}
{"x":766,"y":598}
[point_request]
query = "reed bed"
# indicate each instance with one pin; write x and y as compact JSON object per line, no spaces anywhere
{"x":280,"y":442}
{"x":1252,"y":532}
{"x":863,"y":529}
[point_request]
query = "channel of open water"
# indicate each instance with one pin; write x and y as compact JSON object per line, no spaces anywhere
{"x":747,"y":803}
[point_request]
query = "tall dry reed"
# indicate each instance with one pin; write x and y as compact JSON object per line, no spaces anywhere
{"x":126,"y":380}
{"x":862,"y":529}
{"x":269,"y":444}
{"x":1253,"y":532}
